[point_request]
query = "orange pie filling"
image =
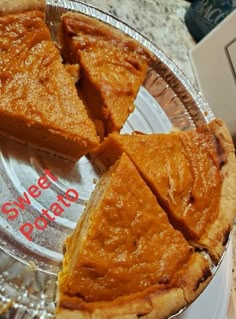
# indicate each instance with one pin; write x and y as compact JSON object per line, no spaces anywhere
{"x":132,"y":248}
{"x":39,"y":101}
{"x":182,"y":169}
{"x":124,"y":246}
{"x":113,"y":66}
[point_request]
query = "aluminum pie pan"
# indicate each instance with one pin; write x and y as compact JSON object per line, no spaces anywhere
{"x":28,"y":269}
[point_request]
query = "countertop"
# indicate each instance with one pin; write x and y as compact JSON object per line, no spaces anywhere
{"x":162,"y":22}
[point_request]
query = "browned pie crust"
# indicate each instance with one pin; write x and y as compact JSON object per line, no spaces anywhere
{"x":217,"y":234}
{"x":159,"y":304}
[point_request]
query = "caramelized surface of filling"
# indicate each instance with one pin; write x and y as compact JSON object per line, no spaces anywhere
{"x":183,"y":171}
{"x":35,"y":88}
{"x":124,"y":244}
{"x":113,"y":67}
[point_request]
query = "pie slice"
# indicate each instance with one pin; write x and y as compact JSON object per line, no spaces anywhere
{"x":113,"y":66}
{"x":124,"y":259}
{"x":38,"y":99}
{"x":192,"y":174}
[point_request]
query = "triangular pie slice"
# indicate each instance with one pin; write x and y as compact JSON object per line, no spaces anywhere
{"x":124,"y":257}
{"x":193,"y":175}
{"x":38,"y":99}
{"x":113,"y":66}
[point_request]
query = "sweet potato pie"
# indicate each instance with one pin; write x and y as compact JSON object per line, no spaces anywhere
{"x":160,"y":216}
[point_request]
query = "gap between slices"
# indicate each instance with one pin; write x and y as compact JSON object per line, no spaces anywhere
{"x":193,"y":175}
{"x":39,"y":102}
{"x":124,"y":257}
{"x":112,"y":68}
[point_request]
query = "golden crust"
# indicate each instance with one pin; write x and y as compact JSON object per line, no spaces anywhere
{"x":195,"y":277}
{"x":156,"y":305}
{"x":149,"y":307}
{"x":216,"y":236}
{"x":18,"y":6}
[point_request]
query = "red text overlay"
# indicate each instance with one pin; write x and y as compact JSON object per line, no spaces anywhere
{"x":12,"y":209}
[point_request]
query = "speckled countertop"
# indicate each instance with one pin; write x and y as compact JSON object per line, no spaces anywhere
{"x":162,"y":22}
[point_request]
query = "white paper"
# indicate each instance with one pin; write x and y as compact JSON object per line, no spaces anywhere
{"x":214,"y":64}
